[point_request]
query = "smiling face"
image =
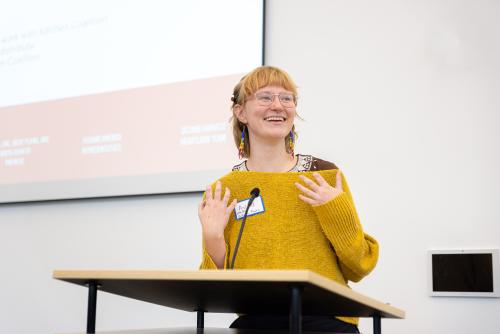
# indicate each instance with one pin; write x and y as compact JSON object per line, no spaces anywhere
{"x":257,"y":109}
{"x":268,"y":122}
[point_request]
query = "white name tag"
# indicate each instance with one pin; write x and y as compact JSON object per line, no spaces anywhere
{"x":256,"y":208}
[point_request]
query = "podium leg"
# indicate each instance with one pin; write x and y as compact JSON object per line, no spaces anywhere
{"x":295,"y":310}
{"x":91,"y":309}
{"x":377,"y":326}
{"x":200,"y":319}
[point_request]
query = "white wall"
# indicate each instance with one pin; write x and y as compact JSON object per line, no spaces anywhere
{"x":402,"y":95}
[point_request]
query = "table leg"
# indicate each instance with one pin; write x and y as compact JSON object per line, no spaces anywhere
{"x":377,"y":326}
{"x":296,"y":310}
{"x":91,"y":310}
{"x":200,"y":319}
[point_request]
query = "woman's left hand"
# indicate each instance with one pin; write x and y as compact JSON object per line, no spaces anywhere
{"x":319,"y":192}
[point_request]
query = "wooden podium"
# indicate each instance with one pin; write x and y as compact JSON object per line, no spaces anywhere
{"x":293,"y":292}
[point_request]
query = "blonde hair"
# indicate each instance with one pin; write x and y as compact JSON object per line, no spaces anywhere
{"x":260,"y":77}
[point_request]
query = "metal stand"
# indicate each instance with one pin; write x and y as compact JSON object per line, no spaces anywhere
{"x":91,"y":310}
{"x":295,"y":310}
{"x":377,"y":326}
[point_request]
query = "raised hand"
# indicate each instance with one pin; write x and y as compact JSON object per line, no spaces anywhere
{"x":214,"y":211}
{"x":318,"y":191}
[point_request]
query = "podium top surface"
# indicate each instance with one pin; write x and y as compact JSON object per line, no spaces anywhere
{"x":234,"y":291}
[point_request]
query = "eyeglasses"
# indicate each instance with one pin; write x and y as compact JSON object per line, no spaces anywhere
{"x":265,"y":99}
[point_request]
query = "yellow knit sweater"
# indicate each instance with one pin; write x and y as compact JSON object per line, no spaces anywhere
{"x":327,"y":239}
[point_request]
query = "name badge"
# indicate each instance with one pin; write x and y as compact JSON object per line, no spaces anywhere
{"x":256,"y":208}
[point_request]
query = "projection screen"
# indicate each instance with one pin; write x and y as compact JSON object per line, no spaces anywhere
{"x":113,"y":98}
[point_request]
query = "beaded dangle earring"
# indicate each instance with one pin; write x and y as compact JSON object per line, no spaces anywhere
{"x":241,"y":148}
{"x":291,"y":144}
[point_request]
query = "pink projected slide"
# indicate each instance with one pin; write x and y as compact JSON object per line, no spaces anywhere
{"x":143,"y":131}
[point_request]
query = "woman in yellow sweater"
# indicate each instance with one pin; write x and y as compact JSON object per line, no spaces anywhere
{"x":304,"y":217}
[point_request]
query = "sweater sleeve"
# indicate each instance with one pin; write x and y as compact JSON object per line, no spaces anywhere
{"x":357,"y":252}
{"x":208,"y":263}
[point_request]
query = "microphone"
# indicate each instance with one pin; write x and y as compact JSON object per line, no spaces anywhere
{"x":253,"y":195}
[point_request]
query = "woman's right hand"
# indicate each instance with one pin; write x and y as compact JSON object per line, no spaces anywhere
{"x":214,"y":214}
{"x":214,"y":211}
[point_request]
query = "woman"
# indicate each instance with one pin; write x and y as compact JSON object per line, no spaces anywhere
{"x":307,"y":218}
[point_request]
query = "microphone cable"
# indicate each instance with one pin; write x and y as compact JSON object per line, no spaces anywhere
{"x":253,"y":195}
